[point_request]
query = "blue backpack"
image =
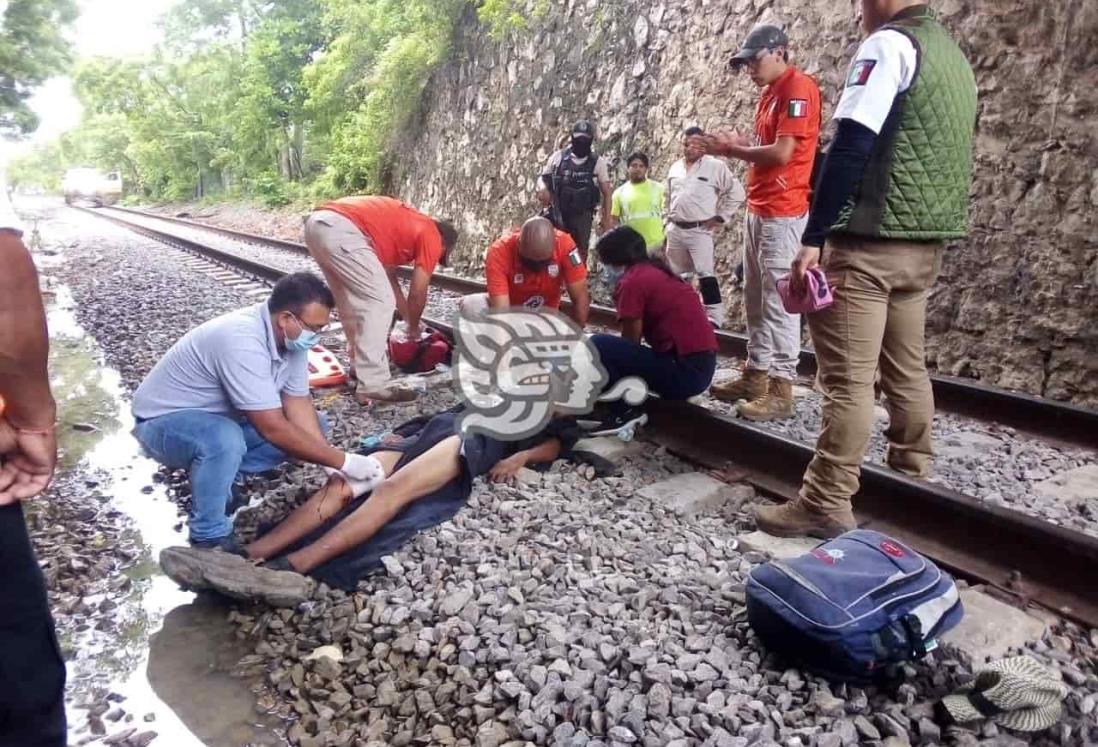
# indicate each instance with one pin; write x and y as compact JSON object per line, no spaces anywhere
{"x":853,"y":608}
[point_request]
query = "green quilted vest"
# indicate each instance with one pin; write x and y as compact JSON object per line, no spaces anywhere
{"x":916,"y":182}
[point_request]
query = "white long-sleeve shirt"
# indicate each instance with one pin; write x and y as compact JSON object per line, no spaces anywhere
{"x":708,"y":189}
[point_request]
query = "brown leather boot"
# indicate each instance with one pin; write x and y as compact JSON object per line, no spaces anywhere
{"x":776,"y":404}
{"x":797,"y":519}
{"x":750,"y":385}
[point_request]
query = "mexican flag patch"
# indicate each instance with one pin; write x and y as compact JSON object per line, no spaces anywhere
{"x":798,"y":108}
{"x":860,"y":72}
{"x":574,"y":258}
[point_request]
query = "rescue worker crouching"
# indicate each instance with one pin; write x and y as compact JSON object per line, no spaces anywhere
{"x":529,"y":268}
{"x":657,"y":306}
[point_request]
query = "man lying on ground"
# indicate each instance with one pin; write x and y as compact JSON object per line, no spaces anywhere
{"x":340,"y":534}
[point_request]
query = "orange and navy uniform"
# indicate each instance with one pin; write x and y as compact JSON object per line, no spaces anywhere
{"x":508,"y":276}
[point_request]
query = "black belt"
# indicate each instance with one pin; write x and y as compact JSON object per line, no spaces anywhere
{"x":688,"y":224}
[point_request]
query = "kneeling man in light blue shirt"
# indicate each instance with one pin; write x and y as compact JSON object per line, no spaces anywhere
{"x":232,"y":396}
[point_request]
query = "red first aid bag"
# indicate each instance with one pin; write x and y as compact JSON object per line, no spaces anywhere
{"x":419,"y":356}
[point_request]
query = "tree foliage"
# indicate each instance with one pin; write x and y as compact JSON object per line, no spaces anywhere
{"x":32,"y":49}
{"x":271,"y":98}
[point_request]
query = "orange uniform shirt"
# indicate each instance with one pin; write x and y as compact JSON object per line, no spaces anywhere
{"x":508,"y":276}
{"x":789,"y":107}
{"x":401,"y":235}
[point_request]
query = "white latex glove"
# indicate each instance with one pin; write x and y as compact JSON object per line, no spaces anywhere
{"x":364,"y":469}
{"x":361,"y":487}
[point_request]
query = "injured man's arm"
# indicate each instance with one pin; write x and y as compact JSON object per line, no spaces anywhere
{"x":423,"y":475}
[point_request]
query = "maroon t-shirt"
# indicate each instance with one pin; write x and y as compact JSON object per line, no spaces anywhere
{"x":671,"y":313}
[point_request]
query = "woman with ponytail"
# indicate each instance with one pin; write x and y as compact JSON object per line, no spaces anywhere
{"x":656,"y":307}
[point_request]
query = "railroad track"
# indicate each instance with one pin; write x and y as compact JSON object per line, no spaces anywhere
{"x":1060,"y":422}
{"x":1024,"y":558}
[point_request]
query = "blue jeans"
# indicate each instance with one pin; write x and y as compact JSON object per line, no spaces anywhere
{"x":214,"y":449}
{"x":668,"y":375}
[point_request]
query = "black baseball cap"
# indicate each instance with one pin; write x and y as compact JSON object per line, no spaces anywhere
{"x":761,"y":38}
{"x":583,"y":128}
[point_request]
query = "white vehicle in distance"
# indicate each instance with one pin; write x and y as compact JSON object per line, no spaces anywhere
{"x":91,"y":184}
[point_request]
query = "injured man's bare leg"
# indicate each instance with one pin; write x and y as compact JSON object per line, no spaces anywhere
{"x":325,"y":503}
{"x":425,"y":474}
{"x":276,"y":582}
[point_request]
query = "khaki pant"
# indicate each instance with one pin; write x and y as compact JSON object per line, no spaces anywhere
{"x":773,"y":334}
{"x":690,"y":251}
{"x":362,"y":291}
{"x":877,"y":321}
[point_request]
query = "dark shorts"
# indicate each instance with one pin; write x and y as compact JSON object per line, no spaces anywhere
{"x":32,"y":672}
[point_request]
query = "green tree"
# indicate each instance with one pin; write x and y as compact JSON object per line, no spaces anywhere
{"x":367,"y":88}
{"x":270,"y":119}
{"x":267,"y":98}
{"x":32,"y":49}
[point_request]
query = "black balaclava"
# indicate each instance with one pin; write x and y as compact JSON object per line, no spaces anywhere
{"x":581,"y":147}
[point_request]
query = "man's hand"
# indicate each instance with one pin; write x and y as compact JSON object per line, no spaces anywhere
{"x":28,"y":463}
{"x":807,"y":258}
{"x":506,"y":469}
{"x":366,"y":469}
{"x":712,"y":224}
{"x":722,"y":143}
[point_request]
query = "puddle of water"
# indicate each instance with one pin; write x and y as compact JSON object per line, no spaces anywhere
{"x":170,"y":653}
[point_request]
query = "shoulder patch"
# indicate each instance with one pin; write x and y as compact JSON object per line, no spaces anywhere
{"x":798,"y":108}
{"x":860,"y":72}
{"x":574,"y":258}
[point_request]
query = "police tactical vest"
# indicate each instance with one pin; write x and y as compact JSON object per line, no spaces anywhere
{"x":915,"y":185}
{"x":574,"y":184}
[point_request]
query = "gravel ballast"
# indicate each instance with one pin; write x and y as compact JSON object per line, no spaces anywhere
{"x":564,"y":610}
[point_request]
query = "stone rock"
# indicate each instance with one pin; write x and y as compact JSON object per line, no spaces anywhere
{"x":455,"y":601}
{"x":781,"y":548}
{"x":990,"y":628}
{"x":929,"y":732}
{"x":659,"y":700}
{"x":561,"y":667}
{"x":866,"y":729}
{"x":690,"y":493}
{"x":622,"y":734}
{"x":328,"y":652}
{"x":704,"y":673}
{"x":827,"y":704}
{"x":492,"y":734}
{"x":609,"y":447}
{"x":1077,"y":486}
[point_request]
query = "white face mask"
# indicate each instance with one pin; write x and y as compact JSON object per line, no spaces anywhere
{"x":611,"y":275}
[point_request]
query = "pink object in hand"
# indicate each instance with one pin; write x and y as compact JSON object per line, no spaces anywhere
{"x":815,"y":296}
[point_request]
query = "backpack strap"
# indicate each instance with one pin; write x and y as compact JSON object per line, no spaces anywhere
{"x":916,"y":644}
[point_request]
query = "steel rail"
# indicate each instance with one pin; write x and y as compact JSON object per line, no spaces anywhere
{"x":1062,"y":422}
{"x":1031,"y":560}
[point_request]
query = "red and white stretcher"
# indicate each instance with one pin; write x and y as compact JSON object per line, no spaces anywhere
{"x":324,"y":369}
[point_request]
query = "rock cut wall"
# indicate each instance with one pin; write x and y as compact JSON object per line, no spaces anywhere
{"x":1017,"y":302}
